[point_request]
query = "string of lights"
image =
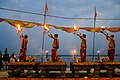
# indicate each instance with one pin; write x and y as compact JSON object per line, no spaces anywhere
{"x":58,"y":16}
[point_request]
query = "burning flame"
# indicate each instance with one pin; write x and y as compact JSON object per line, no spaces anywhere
{"x":19,"y":28}
{"x":101,"y":50}
{"x":75,"y":28}
{"x":46,"y":28}
{"x":103,"y":27}
{"x":74,"y":51}
{"x":86,"y":77}
{"x":46,"y":51}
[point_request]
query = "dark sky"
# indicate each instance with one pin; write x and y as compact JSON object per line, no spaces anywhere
{"x":65,"y":8}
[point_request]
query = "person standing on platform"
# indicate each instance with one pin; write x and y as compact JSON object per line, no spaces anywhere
{"x":23,"y":49}
{"x":6,"y":58}
{"x":55,"y":46}
{"x":111,"y":46}
{"x":83,"y":46}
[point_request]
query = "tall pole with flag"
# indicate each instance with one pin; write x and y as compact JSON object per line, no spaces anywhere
{"x":95,"y":15}
{"x":46,"y":11}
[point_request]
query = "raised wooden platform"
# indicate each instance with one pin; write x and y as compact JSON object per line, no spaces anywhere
{"x":16,"y":68}
{"x":41,"y":69}
{"x":53,"y":66}
{"x":110,"y":67}
{"x":75,"y":67}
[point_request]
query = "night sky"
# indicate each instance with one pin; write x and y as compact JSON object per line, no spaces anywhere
{"x":64,"y":8}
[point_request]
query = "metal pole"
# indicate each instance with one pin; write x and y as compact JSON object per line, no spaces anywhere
{"x":95,"y":15}
{"x":94,"y":40}
{"x":43,"y":35}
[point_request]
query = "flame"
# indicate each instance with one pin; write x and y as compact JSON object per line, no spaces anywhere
{"x":75,"y":28}
{"x":101,"y":50}
{"x":86,"y":77}
{"x":103,"y":27}
{"x":46,"y":28}
{"x":74,"y":51}
{"x":46,"y":51}
{"x":18,"y":27}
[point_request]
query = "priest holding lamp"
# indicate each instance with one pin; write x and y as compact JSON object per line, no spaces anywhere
{"x":111,"y":44}
{"x":23,"y":49}
{"x":55,"y":46}
{"x":83,"y":45}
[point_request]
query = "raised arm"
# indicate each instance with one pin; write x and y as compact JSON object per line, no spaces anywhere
{"x":107,"y":37}
{"x":79,"y":34}
{"x":106,"y":34}
{"x":21,"y":37}
{"x":51,"y":36}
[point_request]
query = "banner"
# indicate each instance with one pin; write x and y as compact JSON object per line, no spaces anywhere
{"x":26,"y":24}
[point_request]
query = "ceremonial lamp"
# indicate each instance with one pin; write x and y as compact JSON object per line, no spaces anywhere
{"x":46,"y":56}
{"x":46,"y":30}
{"x":103,"y":30}
{"x":19,"y":28}
{"x":75,"y":29}
{"x":98,"y":55}
{"x":74,"y":53}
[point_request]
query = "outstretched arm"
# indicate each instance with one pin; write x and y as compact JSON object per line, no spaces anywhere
{"x":21,"y":37}
{"x":107,"y":37}
{"x":79,"y":35}
{"x":51,"y":36}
